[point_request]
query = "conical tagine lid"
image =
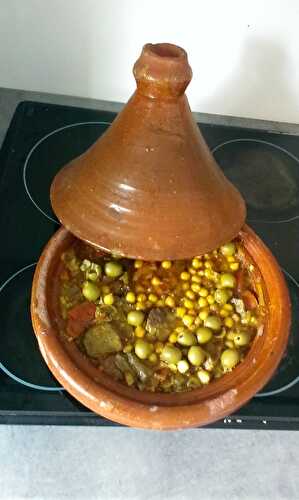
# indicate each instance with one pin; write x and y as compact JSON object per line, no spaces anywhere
{"x":149,"y":187}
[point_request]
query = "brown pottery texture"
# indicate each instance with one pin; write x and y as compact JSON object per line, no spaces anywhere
{"x":150,"y":188}
{"x":129,"y":406}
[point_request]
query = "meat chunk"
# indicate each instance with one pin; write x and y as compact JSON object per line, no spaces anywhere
{"x":101,"y":339}
{"x":160,"y":323}
{"x":109,"y":366}
{"x":122,"y":364}
{"x":143,"y":371}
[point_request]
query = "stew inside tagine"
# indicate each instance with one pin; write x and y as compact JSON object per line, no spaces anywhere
{"x":161,"y":326}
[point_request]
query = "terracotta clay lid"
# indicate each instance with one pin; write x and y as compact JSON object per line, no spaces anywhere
{"x":149,"y":187}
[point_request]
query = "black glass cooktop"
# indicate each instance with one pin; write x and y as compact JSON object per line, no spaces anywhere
{"x":265,"y":167}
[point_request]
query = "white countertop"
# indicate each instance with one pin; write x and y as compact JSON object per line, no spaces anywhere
{"x":117,"y":463}
{"x":109,"y":464}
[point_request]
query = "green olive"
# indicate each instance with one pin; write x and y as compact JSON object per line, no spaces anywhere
{"x":143,"y":349}
{"x":221,"y":296}
{"x":242,"y":339}
{"x":228,"y":249}
{"x":91,"y":291}
{"x":113,"y":269}
{"x":213,"y":322}
{"x":186,"y":338}
{"x":135,"y":318}
{"x":204,"y":334}
{"x":228,"y":280}
{"x":230,"y":358}
{"x":196,"y":355}
{"x":171,"y":354}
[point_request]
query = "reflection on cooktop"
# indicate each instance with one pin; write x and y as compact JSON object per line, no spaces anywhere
{"x":52,"y":152}
{"x":20,"y":357}
{"x":287,"y":373}
{"x":267,"y":176}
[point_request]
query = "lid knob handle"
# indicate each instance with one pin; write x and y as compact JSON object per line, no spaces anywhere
{"x":162,"y":70}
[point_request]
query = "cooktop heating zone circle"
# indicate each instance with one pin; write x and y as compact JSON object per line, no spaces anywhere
{"x":50,"y":154}
{"x":20,"y":358}
{"x":266,"y":174}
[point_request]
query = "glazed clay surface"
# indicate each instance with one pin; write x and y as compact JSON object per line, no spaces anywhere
{"x":129,"y":406}
{"x":149,"y":187}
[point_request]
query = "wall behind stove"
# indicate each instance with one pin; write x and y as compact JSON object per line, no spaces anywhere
{"x":244,"y":54}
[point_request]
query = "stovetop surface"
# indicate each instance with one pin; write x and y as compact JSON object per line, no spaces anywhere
{"x":41,"y":139}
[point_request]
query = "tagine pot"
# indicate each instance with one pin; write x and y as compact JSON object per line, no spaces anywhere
{"x":149,"y":188}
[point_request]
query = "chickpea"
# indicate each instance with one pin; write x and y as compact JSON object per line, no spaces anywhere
{"x":131,"y":297}
{"x":221,"y":296}
{"x":204,"y":376}
{"x":135,"y":318}
{"x":183,"y":366}
{"x":170,"y":302}
{"x":108,"y":299}
{"x":185,"y":276}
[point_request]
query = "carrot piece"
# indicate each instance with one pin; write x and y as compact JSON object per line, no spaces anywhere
{"x":79,"y":318}
{"x":250,"y":300}
{"x":240,"y":275}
